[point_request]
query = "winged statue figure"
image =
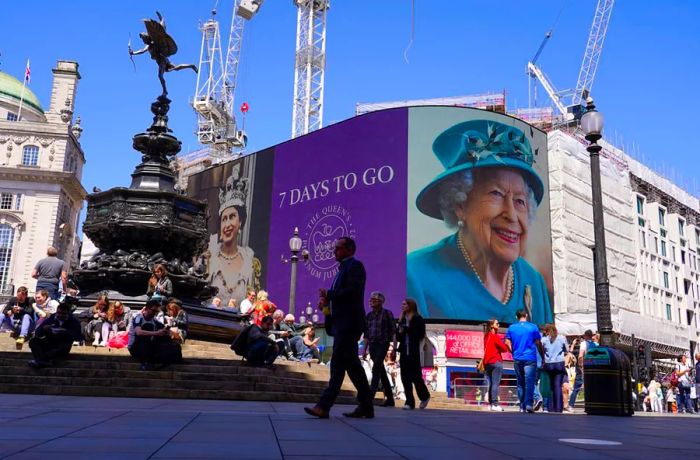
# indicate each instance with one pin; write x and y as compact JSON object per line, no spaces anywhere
{"x":160,"y":45}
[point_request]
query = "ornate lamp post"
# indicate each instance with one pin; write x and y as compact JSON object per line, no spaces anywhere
{"x":294,"y":246}
{"x":592,"y":126}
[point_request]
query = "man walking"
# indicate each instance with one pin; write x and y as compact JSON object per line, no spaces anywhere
{"x":524,"y":340}
{"x":48,"y":272}
{"x":381,"y":330}
{"x":343,"y":305}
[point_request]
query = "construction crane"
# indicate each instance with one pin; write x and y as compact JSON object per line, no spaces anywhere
{"x":594,"y":47}
{"x":589,"y":66}
{"x":216,"y":82}
{"x":309,"y":66}
{"x":532,"y":88}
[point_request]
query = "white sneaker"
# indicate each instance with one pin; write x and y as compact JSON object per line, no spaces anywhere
{"x":96,"y":343}
{"x":568,"y":410}
{"x":424,"y":404}
{"x":407,"y":407}
{"x":496,"y":408}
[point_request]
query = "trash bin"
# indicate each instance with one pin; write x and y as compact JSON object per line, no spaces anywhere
{"x":607,"y":381}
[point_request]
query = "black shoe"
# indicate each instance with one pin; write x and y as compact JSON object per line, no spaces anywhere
{"x":316,"y":411}
{"x":360,"y":412}
{"x":35,"y":364}
{"x":387,"y":403}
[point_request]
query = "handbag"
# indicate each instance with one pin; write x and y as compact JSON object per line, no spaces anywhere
{"x":426,"y":353}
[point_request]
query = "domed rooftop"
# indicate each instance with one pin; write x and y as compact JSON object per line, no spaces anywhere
{"x":11,"y":88}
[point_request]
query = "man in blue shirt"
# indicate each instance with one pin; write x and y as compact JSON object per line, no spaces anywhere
{"x":524,"y":340}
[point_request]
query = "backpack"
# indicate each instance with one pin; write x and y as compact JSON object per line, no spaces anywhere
{"x":674,"y":379}
{"x":240,"y":343}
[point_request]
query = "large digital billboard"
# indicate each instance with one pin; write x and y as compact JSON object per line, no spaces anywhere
{"x":447,"y":205}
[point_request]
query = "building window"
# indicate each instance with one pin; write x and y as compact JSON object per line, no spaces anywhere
{"x":662,"y":217}
{"x":640,"y":205}
{"x":641,"y":221}
{"x":682,"y":257}
{"x":673,"y":253}
{"x":7,"y":237}
{"x":5,"y":201}
{"x":11,"y":116}
{"x":669,"y":315}
{"x":681,"y":224}
{"x":697,"y":237}
{"x":663,"y":248}
{"x":662,"y":232}
{"x":643,"y":238}
{"x":30,"y":155}
{"x":666,"y":280}
{"x":656,"y":245}
{"x":18,"y":202}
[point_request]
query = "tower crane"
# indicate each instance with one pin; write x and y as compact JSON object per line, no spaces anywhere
{"x":589,"y":66}
{"x":216,"y":82}
{"x":532,"y":89}
{"x":309,"y":66}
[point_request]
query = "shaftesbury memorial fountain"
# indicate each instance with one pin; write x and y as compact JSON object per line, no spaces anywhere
{"x":147,"y":223}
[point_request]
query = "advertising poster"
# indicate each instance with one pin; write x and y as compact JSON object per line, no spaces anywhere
{"x":447,"y":205}
{"x":479,"y":236}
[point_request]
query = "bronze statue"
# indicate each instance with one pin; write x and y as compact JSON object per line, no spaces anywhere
{"x":160,"y":45}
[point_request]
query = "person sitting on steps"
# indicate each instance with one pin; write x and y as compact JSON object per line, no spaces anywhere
{"x":54,"y":337}
{"x":150,"y":340}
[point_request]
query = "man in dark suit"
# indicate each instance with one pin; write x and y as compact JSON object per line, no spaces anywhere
{"x":343,"y":305}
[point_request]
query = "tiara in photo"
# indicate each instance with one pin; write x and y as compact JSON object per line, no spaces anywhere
{"x":234,"y":191}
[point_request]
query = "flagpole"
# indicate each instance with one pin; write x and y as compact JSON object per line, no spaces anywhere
{"x":21,"y":98}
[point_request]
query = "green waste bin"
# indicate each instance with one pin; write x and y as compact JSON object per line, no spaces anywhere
{"x":607,"y":381}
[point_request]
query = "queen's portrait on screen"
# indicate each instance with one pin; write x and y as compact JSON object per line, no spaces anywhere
{"x":488,"y":195}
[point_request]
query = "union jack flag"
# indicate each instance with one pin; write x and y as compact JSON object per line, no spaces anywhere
{"x":27,"y":73}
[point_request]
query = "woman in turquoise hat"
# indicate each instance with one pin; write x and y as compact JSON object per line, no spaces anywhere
{"x":489,"y":194}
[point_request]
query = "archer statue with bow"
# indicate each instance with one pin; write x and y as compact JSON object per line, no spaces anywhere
{"x":160,"y":46}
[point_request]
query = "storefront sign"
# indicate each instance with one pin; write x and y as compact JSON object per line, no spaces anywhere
{"x":467,"y":344}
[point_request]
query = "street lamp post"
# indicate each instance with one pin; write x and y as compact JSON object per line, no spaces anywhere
{"x":295,"y":247}
{"x":592,"y":126}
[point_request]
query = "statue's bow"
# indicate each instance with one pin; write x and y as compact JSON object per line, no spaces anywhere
{"x":131,"y":54}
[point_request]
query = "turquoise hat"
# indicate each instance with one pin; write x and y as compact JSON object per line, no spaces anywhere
{"x":479,"y":144}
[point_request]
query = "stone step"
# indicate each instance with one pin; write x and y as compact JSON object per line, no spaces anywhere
{"x":141,"y":392}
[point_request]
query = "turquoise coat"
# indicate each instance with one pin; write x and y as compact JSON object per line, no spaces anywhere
{"x":445,"y":287}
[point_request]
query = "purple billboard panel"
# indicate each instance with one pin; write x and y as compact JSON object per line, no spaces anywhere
{"x":348,"y":179}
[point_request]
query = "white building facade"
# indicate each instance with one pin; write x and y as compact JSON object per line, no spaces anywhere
{"x":41,"y":165}
{"x":653,"y":241}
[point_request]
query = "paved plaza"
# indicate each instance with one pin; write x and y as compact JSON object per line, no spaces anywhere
{"x":58,"y":427}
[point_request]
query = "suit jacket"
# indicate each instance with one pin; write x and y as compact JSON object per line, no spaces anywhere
{"x":410,"y":336}
{"x":347,"y":298}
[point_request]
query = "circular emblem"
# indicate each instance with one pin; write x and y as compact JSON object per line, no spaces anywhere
{"x":320,"y":234}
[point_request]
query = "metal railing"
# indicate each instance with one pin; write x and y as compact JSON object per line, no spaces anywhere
{"x":474,"y":391}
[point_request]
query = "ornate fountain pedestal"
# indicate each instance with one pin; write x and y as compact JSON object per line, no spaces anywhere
{"x":145,"y":224}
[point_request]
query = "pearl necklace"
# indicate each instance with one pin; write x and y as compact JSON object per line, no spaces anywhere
{"x":511,"y":276}
{"x":229,"y":258}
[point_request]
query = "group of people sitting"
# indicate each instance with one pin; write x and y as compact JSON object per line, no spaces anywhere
{"x":153,"y":335}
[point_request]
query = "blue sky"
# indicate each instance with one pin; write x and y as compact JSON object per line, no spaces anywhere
{"x":647,"y":83}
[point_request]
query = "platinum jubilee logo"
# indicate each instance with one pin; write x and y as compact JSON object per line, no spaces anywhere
{"x":320,"y":233}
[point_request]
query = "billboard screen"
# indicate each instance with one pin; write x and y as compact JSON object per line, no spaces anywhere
{"x":396,"y":181}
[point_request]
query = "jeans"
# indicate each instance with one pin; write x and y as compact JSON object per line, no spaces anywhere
{"x":537,"y":396}
{"x":685,"y":403}
{"x":556,"y":373}
{"x":25,"y":327}
{"x":494,"y":371}
{"x":50,"y":287}
{"x":261,"y":352}
{"x":578,"y":383}
{"x":525,"y":374}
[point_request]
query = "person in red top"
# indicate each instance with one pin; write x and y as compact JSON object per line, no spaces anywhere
{"x":493,"y":362}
